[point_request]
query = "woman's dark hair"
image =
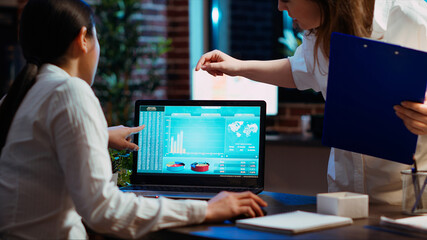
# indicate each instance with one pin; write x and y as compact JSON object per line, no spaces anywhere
{"x":352,"y":17}
{"x":47,"y":28}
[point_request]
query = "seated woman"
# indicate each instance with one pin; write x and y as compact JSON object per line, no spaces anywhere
{"x":55,"y":170}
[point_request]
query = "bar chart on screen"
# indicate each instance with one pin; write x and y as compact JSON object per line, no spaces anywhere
{"x":194,"y":136}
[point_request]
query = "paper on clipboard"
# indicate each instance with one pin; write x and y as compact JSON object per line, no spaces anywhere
{"x":366,"y":79}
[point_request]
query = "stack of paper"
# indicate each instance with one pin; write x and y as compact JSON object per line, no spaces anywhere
{"x":294,"y":222}
{"x":418,"y":223}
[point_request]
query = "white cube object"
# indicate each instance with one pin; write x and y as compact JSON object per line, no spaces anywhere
{"x":344,"y":204}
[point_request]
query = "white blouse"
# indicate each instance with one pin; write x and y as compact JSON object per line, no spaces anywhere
{"x":401,"y":22}
{"x":55,"y":171}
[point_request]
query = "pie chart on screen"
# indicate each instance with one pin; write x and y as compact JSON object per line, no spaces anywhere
{"x":175,"y":166}
{"x":200,"y":166}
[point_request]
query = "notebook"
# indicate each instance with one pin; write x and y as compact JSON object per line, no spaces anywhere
{"x":195,"y":149}
{"x":294,"y":222}
{"x":366,"y":79}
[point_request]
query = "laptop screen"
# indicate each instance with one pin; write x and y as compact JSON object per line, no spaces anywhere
{"x":203,"y":139}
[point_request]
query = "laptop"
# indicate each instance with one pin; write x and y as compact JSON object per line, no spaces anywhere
{"x":197,"y":148}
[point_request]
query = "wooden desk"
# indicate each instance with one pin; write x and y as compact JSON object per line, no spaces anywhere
{"x":368,"y":228}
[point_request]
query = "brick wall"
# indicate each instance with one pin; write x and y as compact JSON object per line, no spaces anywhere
{"x":153,"y":29}
{"x":161,"y":19}
{"x":288,"y":119}
{"x":178,"y":60}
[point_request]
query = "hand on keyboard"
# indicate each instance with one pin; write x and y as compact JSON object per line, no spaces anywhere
{"x":243,"y":216}
{"x":227,"y":205}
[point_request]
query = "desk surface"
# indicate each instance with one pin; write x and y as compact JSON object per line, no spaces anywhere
{"x":367,"y":228}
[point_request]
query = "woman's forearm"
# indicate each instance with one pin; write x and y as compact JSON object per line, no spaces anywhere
{"x":276,"y":72}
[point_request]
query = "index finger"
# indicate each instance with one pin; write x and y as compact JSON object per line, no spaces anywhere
{"x":253,"y":196}
{"x":205,"y":57}
{"x":134,"y":130}
{"x":200,"y":63}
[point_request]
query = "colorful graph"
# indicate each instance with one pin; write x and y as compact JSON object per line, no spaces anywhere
{"x":176,"y":145}
{"x":195,"y":136}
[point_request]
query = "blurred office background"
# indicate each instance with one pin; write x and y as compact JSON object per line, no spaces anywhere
{"x":166,"y":38}
{"x":149,"y":49}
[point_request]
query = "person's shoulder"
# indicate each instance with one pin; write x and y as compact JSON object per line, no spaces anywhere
{"x":407,"y":24}
{"x":77,"y":84}
{"x":412,"y":11}
{"x":77,"y":91}
{"x":54,"y":78}
{"x":69,"y":92}
{"x":408,"y":4}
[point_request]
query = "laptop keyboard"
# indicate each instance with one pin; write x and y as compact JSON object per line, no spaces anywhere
{"x":188,"y":189}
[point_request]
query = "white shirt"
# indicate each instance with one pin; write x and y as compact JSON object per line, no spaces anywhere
{"x":55,"y":170}
{"x":402,"y":22}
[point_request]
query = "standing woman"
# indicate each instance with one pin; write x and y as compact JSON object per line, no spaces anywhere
{"x":402,"y":22}
{"x":55,"y":170}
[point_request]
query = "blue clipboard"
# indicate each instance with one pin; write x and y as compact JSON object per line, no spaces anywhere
{"x":366,"y":79}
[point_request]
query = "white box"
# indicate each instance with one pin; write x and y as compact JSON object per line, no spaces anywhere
{"x":344,"y":204}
